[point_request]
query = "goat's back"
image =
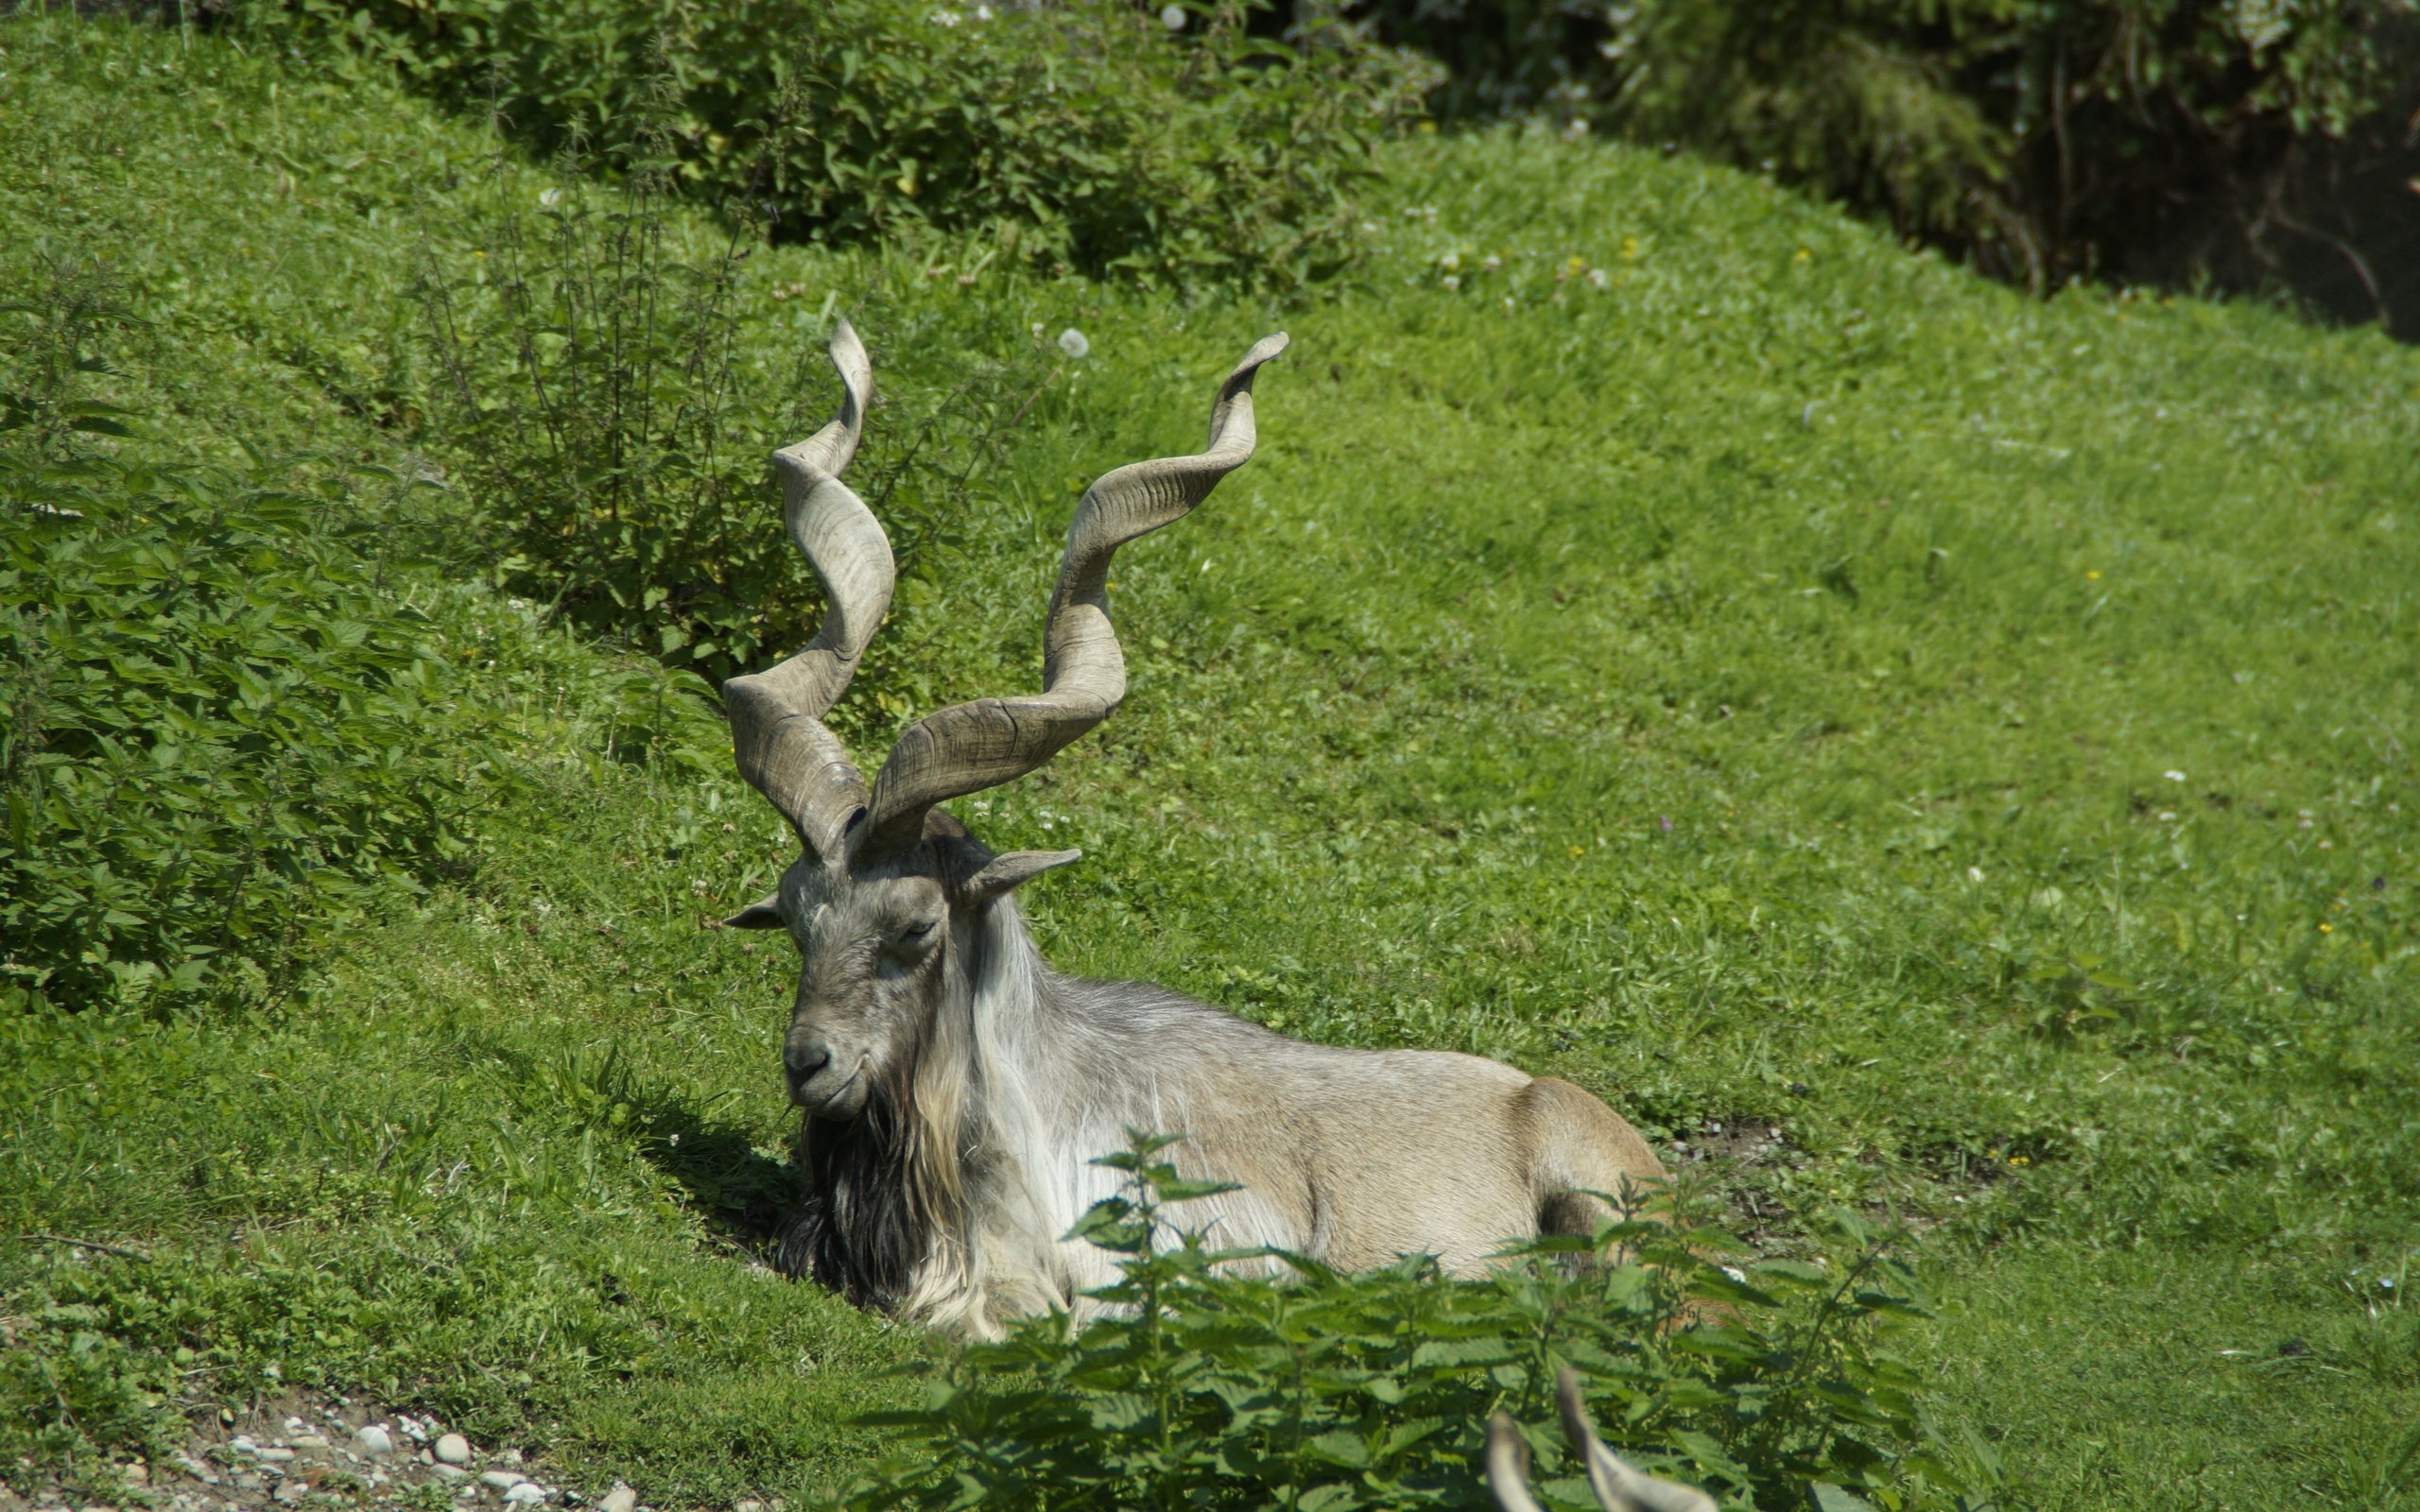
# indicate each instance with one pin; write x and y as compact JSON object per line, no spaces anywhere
{"x":1355,"y":1156}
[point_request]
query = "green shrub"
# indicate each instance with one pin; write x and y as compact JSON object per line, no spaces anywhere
{"x":1082,"y":135}
{"x":219,"y":738}
{"x":1204,"y":1388}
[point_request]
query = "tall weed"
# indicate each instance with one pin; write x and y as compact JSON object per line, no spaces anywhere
{"x":595,"y":399}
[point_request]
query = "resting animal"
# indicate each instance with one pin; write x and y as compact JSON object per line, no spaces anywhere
{"x":956,"y":1088}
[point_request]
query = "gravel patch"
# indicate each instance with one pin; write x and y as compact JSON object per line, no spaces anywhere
{"x":327,"y":1455}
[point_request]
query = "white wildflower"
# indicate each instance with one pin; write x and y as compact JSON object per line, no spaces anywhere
{"x":1451,"y":282}
{"x":2173,"y":776}
{"x":1072,"y":342}
{"x":550,"y":197}
{"x":1973,"y":873}
{"x":1172,"y":17}
{"x":1597,"y":278}
{"x":1491,"y":263}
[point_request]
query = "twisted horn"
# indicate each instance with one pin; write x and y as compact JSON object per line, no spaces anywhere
{"x":777,"y":716}
{"x":1618,"y":1488}
{"x":970,"y":746}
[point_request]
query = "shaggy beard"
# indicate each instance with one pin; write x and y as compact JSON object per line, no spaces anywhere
{"x":863,"y":1230}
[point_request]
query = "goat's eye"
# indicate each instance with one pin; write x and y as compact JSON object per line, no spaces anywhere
{"x":916,"y":934}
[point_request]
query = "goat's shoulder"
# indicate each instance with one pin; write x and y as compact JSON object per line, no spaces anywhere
{"x":1173,"y":1023}
{"x":1124,"y":1008}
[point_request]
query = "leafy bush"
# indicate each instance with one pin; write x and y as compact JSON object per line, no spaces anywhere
{"x":1081,"y":136}
{"x":1206,"y":1388}
{"x":219,"y":739}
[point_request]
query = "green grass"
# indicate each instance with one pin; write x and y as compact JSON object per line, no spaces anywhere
{"x":1747,"y":687}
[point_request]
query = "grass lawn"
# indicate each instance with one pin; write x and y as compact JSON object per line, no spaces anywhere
{"x":1672,"y":638}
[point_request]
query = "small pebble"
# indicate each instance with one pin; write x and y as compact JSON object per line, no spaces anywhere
{"x":291,"y":1491}
{"x":450,"y":1472}
{"x":453,"y":1449}
{"x":374,"y":1439}
{"x":309,"y":1441}
{"x":525,"y":1493}
{"x":502,"y":1480}
{"x":137,"y":1473}
{"x":275,"y":1454}
{"x":750,"y":1504}
{"x":620,"y":1499}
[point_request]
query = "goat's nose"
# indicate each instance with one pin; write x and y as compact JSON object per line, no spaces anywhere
{"x":804,"y":1056}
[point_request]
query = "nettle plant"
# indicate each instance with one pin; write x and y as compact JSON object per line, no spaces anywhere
{"x":222,"y":739}
{"x":1206,"y":1384}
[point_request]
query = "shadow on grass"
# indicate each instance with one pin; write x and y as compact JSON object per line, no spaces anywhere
{"x":746,"y":1197}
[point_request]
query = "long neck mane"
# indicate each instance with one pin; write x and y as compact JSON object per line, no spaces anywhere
{"x":896,"y":1190}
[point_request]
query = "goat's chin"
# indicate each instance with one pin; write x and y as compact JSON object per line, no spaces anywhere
{"x":842,"y":1104}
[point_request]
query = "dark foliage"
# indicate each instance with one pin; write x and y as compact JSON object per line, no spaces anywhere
{"x":2143,"y":140}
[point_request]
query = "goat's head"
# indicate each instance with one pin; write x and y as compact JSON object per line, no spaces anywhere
{"x":889,"y":892}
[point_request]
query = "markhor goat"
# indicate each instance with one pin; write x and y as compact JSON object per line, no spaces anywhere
{"x":956,"y":1088}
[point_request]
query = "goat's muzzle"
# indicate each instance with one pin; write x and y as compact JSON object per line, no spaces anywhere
{"x":805,"y":1057}
{"x":827,"y":1085}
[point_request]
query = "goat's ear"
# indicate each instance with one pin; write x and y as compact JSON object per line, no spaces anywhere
{"x":1008,"y":873}
{"x":762,"y":914}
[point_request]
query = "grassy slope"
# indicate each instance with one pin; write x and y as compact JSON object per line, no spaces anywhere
{"x":1760,"y":674}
